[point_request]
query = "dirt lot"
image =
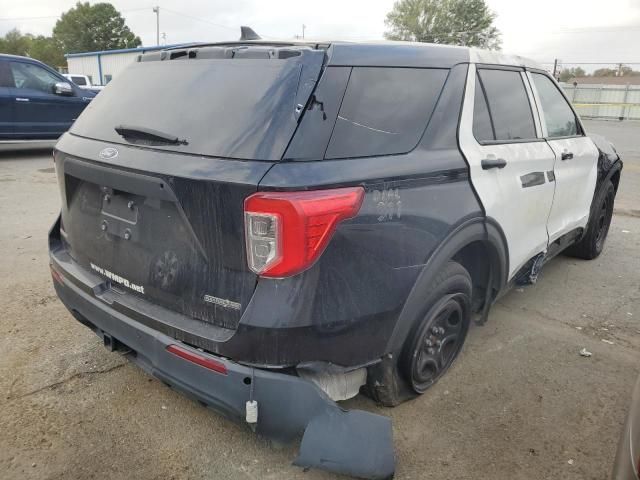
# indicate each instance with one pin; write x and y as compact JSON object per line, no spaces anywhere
{"x":521,"y":403}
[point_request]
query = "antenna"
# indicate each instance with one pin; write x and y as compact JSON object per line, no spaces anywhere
{"x":247,"y":33}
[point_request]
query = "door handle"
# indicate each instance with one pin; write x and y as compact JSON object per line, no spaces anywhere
{"x":21,"y":99}
{"x":488,"y":163}
{"x":566,"y":155}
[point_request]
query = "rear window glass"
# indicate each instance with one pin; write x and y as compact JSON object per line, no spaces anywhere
{"x":384,"y":111}
{"x":79,"y":80}
{"x":508,"y":104}
{"x":242,"y":109}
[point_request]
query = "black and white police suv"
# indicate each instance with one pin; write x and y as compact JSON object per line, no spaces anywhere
{"x":270,"y":227}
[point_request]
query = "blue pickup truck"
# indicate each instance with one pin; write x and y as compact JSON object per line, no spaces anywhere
{"x":37,"y":104}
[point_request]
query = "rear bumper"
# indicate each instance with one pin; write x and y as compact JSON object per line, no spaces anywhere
{"x":351,"y":442}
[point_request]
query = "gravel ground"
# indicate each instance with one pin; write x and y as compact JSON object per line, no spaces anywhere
{"x":520,"y":403}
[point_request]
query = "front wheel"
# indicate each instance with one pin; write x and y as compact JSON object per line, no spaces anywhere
{"x":592,"y":244}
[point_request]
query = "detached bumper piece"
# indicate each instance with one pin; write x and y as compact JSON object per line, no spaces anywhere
{"x":356,"y":443}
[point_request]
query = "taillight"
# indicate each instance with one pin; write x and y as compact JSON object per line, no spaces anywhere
{"x":199,"y":359}
{"x":287,"y":231}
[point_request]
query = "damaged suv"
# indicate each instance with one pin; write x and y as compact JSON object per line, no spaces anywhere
{"x":270,"y":227}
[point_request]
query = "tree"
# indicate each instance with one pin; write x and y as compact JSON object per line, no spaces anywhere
{"x":459,"y":22}
{"x":15,"y":43}
{"x":47,"y":50}
{"x":42,"y":48}
{"x":569,"y":73}
{"x":88,"y":27}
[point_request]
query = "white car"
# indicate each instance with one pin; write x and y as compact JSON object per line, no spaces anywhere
{"x":83,"y":81}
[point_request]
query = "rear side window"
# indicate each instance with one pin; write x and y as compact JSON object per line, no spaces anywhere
{"x":79,"y":80}
{"x":508,"y":104}
{"x":384,"y":111}
{"x":557,"y":114}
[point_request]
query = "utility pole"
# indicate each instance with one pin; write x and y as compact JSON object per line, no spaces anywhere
{"x":303,"y":28}
{"x":555,"y":67}
{"x":156,"y":10}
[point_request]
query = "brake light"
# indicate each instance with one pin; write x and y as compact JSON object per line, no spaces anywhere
{"x":57,"y":276}
{"x":287,"y":231}
{"x":202,"y":360}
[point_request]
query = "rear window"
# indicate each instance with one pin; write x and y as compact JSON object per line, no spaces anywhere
{"x":384,"y":111}
{"x":508,"y":104}
{"x":79,"y":80}
{"x":233,"y":108}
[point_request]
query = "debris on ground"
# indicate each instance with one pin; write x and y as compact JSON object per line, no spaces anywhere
{"x":607,"y":341}
{"x":585,"y":353}
{"x":570,"y":461}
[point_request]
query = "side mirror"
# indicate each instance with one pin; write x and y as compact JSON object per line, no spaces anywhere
{"x":63,"y":88}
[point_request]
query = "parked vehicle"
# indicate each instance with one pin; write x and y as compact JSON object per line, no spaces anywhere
{"x":627,"y":464}
{"x":36,"y":102}
{"x":83,"y":81}
{"x":334,"y":216}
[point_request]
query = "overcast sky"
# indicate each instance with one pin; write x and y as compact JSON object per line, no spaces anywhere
{"x":584,"y":31}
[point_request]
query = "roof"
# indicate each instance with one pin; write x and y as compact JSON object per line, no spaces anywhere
{"x":387,"y":53}
{"x":122,"y":50}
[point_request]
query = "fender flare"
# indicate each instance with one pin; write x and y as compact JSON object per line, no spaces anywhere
{"x":481,"y":229}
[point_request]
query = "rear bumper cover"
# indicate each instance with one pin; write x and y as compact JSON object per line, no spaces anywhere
{"x":355,"y":442}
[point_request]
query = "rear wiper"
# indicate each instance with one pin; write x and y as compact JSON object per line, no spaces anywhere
{"x":147,"y":136}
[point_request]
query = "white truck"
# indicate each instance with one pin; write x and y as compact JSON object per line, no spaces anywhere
{"x":83,"y":81}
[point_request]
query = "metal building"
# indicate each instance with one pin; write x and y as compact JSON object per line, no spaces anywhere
{"x":102,"y":66}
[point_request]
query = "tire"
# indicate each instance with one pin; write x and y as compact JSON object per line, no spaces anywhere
{"x":447,"y":306}
{"x":592,"y":243}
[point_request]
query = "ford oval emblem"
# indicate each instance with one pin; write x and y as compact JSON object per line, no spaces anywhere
{"x":108,"y":153}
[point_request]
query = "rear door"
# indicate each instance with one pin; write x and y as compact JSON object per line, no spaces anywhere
{"x":508,"y":159}
{"x":39,"y":112}
{"x":6,"y":100}
{"x":576,"y":158}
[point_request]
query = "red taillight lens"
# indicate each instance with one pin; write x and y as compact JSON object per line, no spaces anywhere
{"x":202,"y":360}
{"x":287,"y":231}
{"x":56,"y":275}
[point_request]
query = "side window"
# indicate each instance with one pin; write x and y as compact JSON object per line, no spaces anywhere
{"x":28,"y":76}
{"x":79,"y":81}
{"x":107,"y":78}
{"x":482,"y":126}
{"x":560,"y":119}
{"x":6,"y":80}
{"x":508,"y":104}
{"x":384,"y":111}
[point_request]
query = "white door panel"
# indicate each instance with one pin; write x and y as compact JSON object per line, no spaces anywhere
{"x":575,"y":184}
{"x":518,"y":196}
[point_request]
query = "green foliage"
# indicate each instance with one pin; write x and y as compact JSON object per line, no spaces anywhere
{"x":457,"y":22}
{"x":87,"y":27}
{"x":47,"y":50}
{"x":42,"y":48}
{"x":570,"y":73}
{"x":622,"y":70}
{"x":15,"y":43}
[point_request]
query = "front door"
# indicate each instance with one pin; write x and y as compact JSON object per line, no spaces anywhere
{"x":39,"y":112}
{"x":576,"y":165}
{"x":500,"y":138}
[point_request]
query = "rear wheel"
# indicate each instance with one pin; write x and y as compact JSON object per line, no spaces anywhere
{"x":434,"y":342}
{"x":592,"y":244}
{"x":438,"y":337}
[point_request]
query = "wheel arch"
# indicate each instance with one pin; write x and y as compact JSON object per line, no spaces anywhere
{"x":477,"y":236}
